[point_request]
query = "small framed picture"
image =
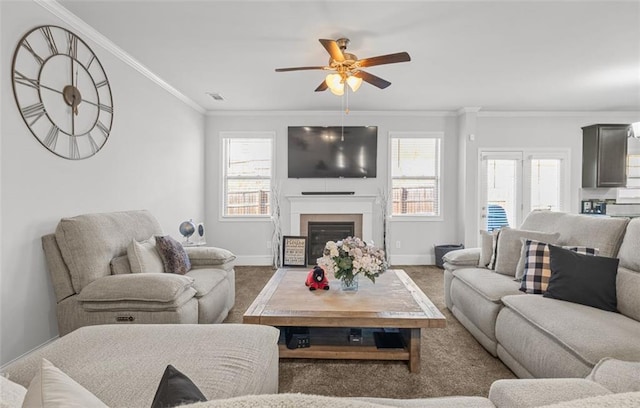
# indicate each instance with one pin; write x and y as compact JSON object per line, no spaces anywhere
{"x":294,"y":251}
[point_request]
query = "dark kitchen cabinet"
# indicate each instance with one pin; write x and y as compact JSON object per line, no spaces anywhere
{"x":604,"y":156}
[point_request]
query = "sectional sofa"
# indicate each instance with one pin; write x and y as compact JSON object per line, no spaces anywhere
{"x":537,"y":336}
{"x":236,"y":366}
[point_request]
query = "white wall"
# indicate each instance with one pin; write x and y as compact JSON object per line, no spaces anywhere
{"x":248,"y":239}
{"x":153,"y":159}
{"x":503,"y":130}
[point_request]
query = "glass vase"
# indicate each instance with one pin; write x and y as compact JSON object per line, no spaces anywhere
{"x":349,"y":284}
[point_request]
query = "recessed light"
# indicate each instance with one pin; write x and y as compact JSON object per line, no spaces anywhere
{"x":216,"y":96}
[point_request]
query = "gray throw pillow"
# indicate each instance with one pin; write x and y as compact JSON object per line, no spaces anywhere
{"x":173,"y":255}
{"x":486,"y":247}
{"x":509,"y":247}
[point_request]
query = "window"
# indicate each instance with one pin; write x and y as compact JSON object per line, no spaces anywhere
{"x":247,"y":172}
{"x":633,"y":171}
{"x":415,"y":174}
{"x":546,"y":179}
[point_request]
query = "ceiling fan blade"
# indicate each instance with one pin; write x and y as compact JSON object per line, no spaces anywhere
{"x":332,"y":48}
{"x":298,"y":69}
{"x":372,"y":79}
{"x":385,"y":59}
{"x":322,"y":87}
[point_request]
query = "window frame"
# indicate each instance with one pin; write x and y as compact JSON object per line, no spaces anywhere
{"x":223,"y":177}
{"x":439,"y":178}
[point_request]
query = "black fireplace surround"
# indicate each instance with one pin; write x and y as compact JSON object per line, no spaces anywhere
{"x":319,"y":232}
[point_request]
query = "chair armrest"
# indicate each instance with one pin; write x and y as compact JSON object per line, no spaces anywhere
{"x":209,"y":256}
{"x":140,"y":287}
{"x":525,"y":393}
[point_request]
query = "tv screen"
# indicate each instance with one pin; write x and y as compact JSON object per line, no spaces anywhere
{"x":331,"y":152}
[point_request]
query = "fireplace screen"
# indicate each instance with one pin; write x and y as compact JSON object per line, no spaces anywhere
{"x":321,"y":232}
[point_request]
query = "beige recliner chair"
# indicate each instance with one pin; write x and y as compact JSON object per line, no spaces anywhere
{"x":93,"y":283}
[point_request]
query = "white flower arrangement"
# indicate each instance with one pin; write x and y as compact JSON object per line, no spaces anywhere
{"x":351,"y":257}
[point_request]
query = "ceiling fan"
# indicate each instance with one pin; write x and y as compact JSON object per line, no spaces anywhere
{"x":348,"y":68}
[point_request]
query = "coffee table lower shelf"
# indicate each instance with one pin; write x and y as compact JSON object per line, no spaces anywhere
{"x":345,"y":353}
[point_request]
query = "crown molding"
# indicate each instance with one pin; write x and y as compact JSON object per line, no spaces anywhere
{"x":332,"y":113}
{"x":556,"y":114}
{"x":85,"y":29}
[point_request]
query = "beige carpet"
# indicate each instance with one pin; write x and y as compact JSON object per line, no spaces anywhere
{"x":453,"y":363}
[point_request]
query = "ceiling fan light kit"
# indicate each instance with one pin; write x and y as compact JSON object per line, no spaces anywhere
{"x":348,"y":68}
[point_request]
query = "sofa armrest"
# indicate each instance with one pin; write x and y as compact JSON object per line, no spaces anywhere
{"x":210,"y":256}
{"x":617,"y":375}
{"x":137,"y":287}
{"x":461,"y":258}
{"x":524,"y":393}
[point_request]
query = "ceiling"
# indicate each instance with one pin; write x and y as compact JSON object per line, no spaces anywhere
{"x":496,"y":55}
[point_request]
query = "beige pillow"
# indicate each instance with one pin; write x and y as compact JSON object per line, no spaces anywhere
{"x":486,"y":247}
{"x":509,"y":247}
{"x":51,"y":388}
{"x":120,"y":265}
{"x":143,"y":257}
{"x":11,"y":394}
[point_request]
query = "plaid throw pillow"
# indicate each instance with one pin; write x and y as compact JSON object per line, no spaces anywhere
{"x":537,"y":269}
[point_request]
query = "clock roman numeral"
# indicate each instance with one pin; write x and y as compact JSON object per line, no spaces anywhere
{"x":48,"y":36}
{"x":101,"y":84}
{"x":22,"y":79}
{"x":35,"y":111}
{"x":93,"y":144}
{"x":74,"y":150}
{"x":72,"y":49}
{"x":103,"y":129}
{"x":93,"y":57}
{"x":28,"y":47}
{"x":52,"y":137}
{"x":105,"y":108}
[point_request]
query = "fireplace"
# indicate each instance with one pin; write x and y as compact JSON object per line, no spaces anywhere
{"x":319,"y":233}
{"x":354,"y":208}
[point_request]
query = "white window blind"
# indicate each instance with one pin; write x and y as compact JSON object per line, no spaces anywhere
{"x":546,"y":179}
{"x":247,"y":173}
{"x":415,"y":175}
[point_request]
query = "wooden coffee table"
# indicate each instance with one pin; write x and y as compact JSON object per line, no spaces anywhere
{"x":393,"y":304}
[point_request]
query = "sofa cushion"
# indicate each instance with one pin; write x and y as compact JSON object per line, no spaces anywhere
{"x":137,"y":287}
{"x":144,"y":257}
{"x":604,"y":233}
{"x":209,"y":256}
{"x":509,"y":247}
{"x":584,"y":279}
{"x":623,"y":400}
{"x":580,"y":328}
{"x":205,"y":279}
{"x":120,"y":265}
{"x":492,"y":286}
{"x":536,"y":268}
{"x":175,"y":389}
{"x":486,"y":247}
{"x":89,"y":242}
{"x":51,"y":388}
{"x":173,"y":255}
{"x":617,"y":375}
{"x":541,"y":391}
{"x":628,"y":293}
{"x":630,"y":249}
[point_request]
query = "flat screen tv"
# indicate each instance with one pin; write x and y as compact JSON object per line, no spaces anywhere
{"x":331,"y":152}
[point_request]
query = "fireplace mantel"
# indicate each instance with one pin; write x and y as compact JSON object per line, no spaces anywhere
{"x":333,"y":204}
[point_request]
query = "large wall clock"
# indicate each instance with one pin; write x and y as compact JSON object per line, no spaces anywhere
{"x":62,"y":92}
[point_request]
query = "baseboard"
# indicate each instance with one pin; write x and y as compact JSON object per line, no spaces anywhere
{"x":412,"y":259}
{"x":254,"y":260}
{"x":2,"y":367}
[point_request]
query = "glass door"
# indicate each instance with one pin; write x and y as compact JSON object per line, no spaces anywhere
{"x":501,"y":189}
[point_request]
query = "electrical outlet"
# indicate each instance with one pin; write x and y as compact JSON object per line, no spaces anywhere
{"x":268,"y":244}
{"x":397,"y":244}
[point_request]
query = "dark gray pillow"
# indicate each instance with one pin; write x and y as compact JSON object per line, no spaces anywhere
{"x":174,"y":257}
{"x":585,"y":279}
{"x":176,"y":389}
